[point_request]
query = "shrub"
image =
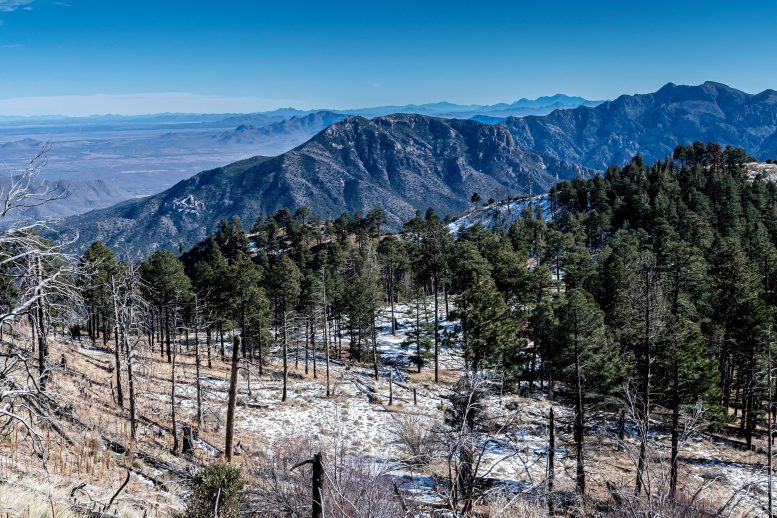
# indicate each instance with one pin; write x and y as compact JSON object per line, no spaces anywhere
{"x":216,"y":485}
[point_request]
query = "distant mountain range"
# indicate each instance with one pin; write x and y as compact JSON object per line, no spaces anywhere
{"x":401,"y":163}
{"x":653,"y":124}
{"x":145,"y":154}
{"x":521,"y":107}
{"x":406,"y":162}
{"x":143,"y":162}
{"x":491,"y":112}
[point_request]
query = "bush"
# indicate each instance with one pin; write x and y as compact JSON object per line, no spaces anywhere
{"x":415,"y":437}
{"x":218,"y":484}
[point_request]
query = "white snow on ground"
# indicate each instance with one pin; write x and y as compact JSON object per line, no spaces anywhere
{"x":761,"y":169}
{"x":390,"y":346}
{"x":500,"y":213}
{"x":357,"y":415}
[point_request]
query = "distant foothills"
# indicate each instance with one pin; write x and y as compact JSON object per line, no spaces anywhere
{"x":407,"y":162}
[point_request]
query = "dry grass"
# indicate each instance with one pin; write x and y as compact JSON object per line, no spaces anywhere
{"x":85,"y":390}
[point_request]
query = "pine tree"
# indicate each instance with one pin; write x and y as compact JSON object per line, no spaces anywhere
{"x":167,"y":286}
{"x":587,"y":361}
{"x":285,"y":289}
{"x":489,"y":330}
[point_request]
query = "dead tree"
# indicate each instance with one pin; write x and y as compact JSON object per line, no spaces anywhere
{"x":116,"y":351}
{"x":649,"y":300}
{"x":131,"y":317}
{"x":37,"y":277}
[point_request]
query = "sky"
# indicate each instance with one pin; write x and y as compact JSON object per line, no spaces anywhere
{"x":82,"y":57}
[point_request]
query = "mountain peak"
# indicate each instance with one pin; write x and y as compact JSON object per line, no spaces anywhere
{"x":652,"y":124}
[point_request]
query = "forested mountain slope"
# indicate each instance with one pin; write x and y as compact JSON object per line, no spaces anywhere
{"x":400,"y":163}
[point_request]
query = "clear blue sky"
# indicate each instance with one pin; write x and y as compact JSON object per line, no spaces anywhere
{"x":122,"y":56}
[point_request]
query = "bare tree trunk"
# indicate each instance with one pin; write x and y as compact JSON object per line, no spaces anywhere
{"x":675,"y":435}
{"x":207,"y":341}
{"x":313,"y":346}
{"x":551,"y":459}
{"x":326,"y":334}
{"x":307,"y":347}
{"x":770,"y":435}
{"x":374,"y":346}
{"x":391,"y":298}
{"x":197,"y":370}
{"x":296,"y":347}
{"x":168,"y":331}
{"x":418,"y":332}
{"x":285,"y":358}
{"x":261,"y":353}
{"x":162,"y":321}
{"x":580,"y":478}
{"x":436,"y":334}
{"x":391,"y":389}
{"x":645,"y":403}
{"x":172,"y":398}
{"x":105,"y":331}
{"x":231,"y":401}
{"x":533,"y":367}
{"x":318,"y":501}
{"x":131,"y":384}
{"x":116,"y":350}
{"x":40,"y":323}
{"x":445,"y":293}
{"x":243,"y":334}
{"x":339,"y":337}
{"x":221,"y":334}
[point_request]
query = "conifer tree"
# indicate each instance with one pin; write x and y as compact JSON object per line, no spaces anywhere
{"x":167,"y":287}
{"x":586,"y":360}
{"x":285,"y":288}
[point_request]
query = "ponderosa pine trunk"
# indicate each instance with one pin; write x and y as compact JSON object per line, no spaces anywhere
{"x":551,"y":459}
{"x":231,"y":401}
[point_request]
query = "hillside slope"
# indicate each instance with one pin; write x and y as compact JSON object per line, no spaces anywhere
{"x":653,"y":124}
{"x":400,"y":163}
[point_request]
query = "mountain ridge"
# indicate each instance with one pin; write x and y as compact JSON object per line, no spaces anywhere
{"x":401,"y":163}
{"x":653,"y":124}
